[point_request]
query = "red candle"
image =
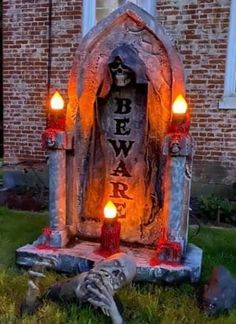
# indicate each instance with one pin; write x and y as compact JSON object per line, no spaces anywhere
{"x":56,"y":116}
{"x":180,"y":121}
{"x":110,"y":234}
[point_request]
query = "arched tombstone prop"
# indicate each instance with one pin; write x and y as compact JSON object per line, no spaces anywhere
{"x":121,"y":144}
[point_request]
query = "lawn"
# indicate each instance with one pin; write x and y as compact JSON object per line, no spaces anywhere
{"x":143,"y":303}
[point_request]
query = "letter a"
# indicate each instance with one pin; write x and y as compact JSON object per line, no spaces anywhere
{"x":121,"y":170}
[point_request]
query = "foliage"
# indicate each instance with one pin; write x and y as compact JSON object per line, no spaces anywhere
{"x":228,"y":211}
{"x":212,"y":206}
{"x":143,"y":303}
{"x":209,"y":206}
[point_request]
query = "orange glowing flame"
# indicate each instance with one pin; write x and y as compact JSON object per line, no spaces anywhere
{"x":180,"y":105}
{"x":57,"y":102}
{"x":110,"y":210}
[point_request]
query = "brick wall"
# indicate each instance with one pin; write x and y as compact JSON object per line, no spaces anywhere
{"x":199,"y":29}
{"x":25,"y":78}
{"x":25,"y":41}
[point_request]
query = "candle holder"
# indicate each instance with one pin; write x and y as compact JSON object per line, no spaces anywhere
{"x":168,"y":252}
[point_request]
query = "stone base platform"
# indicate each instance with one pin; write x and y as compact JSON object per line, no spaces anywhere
{"x":83,"y":255}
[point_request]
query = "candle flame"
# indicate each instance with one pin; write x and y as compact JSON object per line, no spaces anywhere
{"x":180,"y":105}
{"x":57,"y":102}
{"x":110,"y":210}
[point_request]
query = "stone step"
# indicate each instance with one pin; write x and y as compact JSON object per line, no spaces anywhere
{"x":82,"y":256}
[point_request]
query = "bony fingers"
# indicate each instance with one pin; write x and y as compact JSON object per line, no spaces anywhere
{"x":36,"y":274}
{"x":43,"y":264}
{"x":32,"y":285}
{"x":101,"y":288}
{"x":93,"y":276}
{"x":99,"y":274}
{"x":96,"y":303}
{"x":95,"y":291}
{"x":109,"y":288}
{"x":51,"y":259}
{"x":93,"y":281}
{"x":99,"y":296}
{"x":105,"y":311}
{"x":97,"y":283}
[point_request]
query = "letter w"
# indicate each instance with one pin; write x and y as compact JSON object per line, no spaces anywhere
{"x":123,"y":146}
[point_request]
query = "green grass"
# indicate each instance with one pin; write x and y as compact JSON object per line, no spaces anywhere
{"x":16,"y":229}
{"x":143,"y":303}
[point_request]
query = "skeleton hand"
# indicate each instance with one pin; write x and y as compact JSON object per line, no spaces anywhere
{"x":102,"y":296}
{"x":38,"y":268}
{"x":35,"y":274}
{"x":44,"y":263}
{"x":33,"y":293}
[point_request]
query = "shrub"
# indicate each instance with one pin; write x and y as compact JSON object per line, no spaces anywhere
{"x":215,"y":208}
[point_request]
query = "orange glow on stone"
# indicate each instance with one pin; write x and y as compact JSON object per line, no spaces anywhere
{"x":110,"y":210}
{"x":57,"y":102}
{"x":180,"y":105}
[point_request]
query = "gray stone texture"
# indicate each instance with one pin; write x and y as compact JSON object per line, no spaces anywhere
{"x":163,"y":69}
{"x":151,"y":181}
{"x":82,"y":257}
{"x":220,"y":292}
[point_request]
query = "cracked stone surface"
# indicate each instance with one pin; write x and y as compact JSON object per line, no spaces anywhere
{"x":82,"y":256}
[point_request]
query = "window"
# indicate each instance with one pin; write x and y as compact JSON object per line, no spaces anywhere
{"x":229,"y":99}
{"x":94,"y":10}
{"x":104,"y":7}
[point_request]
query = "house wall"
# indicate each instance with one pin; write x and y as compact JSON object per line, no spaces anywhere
{"x":199,"y":30}
{"x":25,"y":73}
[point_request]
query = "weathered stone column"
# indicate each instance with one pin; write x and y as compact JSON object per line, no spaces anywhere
{"x":177,"y":182}
{"x":57,"y":144}
{"x":71,"y":193}
{"x":57,"y":188}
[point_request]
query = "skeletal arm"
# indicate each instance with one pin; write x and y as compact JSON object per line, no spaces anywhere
{"x":101,"y":295}
{"x":36,"y":273}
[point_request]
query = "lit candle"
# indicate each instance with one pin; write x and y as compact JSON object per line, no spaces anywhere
{"x":180,"y":122}
{"x":179,"y":109}
{"x":110,"y":234}
{"x":56,"y":117}
{"x":57,"y":102}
